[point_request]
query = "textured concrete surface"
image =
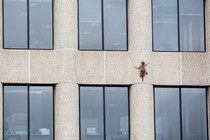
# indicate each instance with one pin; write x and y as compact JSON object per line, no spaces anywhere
{"x":140,"y":31}
{"x":67,"y":67}
{"x":118,"y":68}
{"x":90,"y":67}
{"x":14,"y":66}
{"x":139,"y":25}
{"x":166,"y":68}
{"x":66,"y":111}
{"x":65,"y":24}
{"x":52,"y":66}
{"x":141,"y":112}
{"x":195,"y":68}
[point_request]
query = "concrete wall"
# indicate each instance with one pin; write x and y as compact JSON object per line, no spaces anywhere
{"x":67,"y":67}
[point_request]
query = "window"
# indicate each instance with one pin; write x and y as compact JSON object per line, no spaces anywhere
{"x":178,"y":25}
{"x":180,"y":113}
{"x":104,"y":113}
{"x":28,"y":112}
{"x":102,"y":25}
{"x":27,"y":24}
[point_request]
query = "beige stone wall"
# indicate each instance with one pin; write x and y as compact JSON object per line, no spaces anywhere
{"x":66,"y":111}
{"x":66,"y":67}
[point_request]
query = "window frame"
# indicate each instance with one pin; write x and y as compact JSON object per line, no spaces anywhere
{"x":178,"y":30}
{"x":104,"y":108}
{"x":28,"y":106}
{"x":102,"y":27}
{"x":180,"y":107}
{"x":28,"y":30}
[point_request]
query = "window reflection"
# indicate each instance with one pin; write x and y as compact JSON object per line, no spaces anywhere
{"x":17,"y":103}
{"x":181,"y":30}
{"x":116,"y":101}
{"x":180,"y":113}
{"x":165,"y":32}
{"x":17,"y":29}
{"x":167,"y":115}
{"x":90,"y":27}
{"x":91,"y":111}
{"x":115,"y":37}
{"x":104,"y":107}
{"x":109,"y":35}
{"x":15,"y":24}
{"x":192,"y":25}
{"x":194,"y":114}
{"x":41,"y":113}
{"x":40,"y":24}
{"x":15,"y":113}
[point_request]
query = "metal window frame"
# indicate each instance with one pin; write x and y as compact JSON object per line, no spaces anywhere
{"x":102,"y":31}
{"x":28,"y":29}
{"x":180,"y":106}
{"x":104,"y":109}
{"x":178,"y":30}
{"x":28,"y":105}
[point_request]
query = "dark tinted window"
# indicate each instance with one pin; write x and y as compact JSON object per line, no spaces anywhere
{"x":102,"y":25}
{"x":194,"y":126}
{"x":91,"y":113}
{"x":115,"y":34}
{"x":180,"y":114}
{"x":15,"y":24}
{"x":167,"y":114}
{"x":15,"y":113}
{"x":28,"y":106}
{"x":178,"y":25}
{"x":90,"y":27}
{"x":116,"y":108}
{"x":191,"y":20}
{"x":165,"y":32}
{"x":40,"y":24}
{"x":28,"y":26}
{"x":104,"y":113}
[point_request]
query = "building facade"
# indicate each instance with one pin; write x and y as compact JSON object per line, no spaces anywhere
{"x":67,"y":70}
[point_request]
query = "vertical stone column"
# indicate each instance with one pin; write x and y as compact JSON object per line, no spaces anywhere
{"x":65,"y":24}
{"x":140,"y":25}
{"x":66,"y":111}
{"x":141,"y":112}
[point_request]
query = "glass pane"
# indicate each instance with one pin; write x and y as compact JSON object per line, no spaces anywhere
{"x":194,"y":121}
{"x":41,"y":113}
{"x":15,"y":113}
{"x":191,"y":25}
{"x":40,"y":24}
{"x":115,"y":34}
{"x":91,"y":113}
{"x":165,"y":32}
{"x":15,"y":24}
{"x":90,"y":30}
{"x":167,"y":114}
{"x":116,"y":101}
